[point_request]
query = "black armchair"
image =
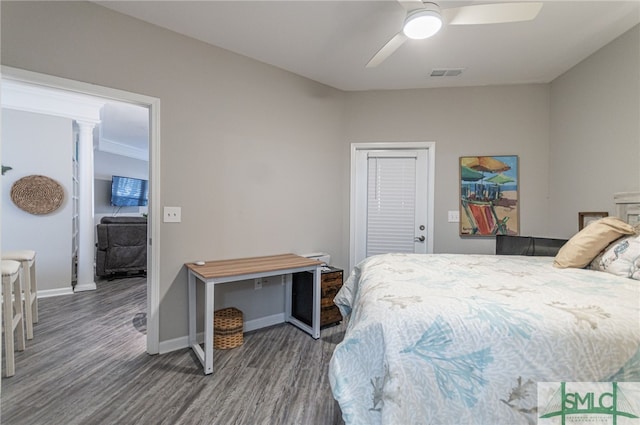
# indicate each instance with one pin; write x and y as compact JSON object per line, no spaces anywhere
{"x":122,"y":245}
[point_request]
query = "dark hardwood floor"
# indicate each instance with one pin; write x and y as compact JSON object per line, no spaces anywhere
{"x":87,"y":365}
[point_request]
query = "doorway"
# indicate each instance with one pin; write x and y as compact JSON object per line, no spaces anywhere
{"x":153,"y":106}
{"x":392,"y":187}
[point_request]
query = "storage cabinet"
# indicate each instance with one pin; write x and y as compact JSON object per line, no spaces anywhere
{"x":330,"y":284}
{"x":302,"y":296}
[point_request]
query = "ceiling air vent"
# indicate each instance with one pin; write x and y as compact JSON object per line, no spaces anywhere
{"x":446,"y":72}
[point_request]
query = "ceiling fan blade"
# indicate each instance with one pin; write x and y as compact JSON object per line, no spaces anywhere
{"x":387,"y":50}
{"x":496,"y":13}
{"x":411,"y":5}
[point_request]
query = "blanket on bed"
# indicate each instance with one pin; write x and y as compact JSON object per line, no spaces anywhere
{"x":464,"y":339}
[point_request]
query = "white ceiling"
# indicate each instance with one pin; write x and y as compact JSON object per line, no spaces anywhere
{"x":331,"y":41}
{"x":124,"y":130}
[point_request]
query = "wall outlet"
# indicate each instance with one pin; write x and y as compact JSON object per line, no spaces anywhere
{"x":453,"y":216}
{"x":257,"y":284}
{"x":172,"y":215}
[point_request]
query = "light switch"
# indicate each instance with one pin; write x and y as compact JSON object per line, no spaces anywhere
{"x":172,"y":214}
{"x":454,"y":216}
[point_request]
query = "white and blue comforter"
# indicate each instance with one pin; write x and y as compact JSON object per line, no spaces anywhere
{"x":464,"y":339}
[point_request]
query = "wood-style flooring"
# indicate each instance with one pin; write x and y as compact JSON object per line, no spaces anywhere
{"x":87,"y":365}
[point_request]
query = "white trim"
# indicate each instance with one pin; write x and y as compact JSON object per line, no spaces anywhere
{"x":47,"y":293}
{"x":431,"y":161}
{"x":117,"y":148}
{"x":43,"y":100}
{"x":626,"y":197}
{"x":251,"y":325}
{"x":175,"y":344}
{"x":91,"y":286}
{"x":154,"y":214}
{"x":153,"y":266}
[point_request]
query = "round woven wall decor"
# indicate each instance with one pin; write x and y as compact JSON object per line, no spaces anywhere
{"x":37,"y":194}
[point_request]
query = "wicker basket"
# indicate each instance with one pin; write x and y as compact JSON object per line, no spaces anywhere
{"x":227,"y":328}
{"x":37,"y":194}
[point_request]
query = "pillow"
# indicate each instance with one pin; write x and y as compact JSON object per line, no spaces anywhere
{"x":621,"y":258}
{"x":588,"y":242}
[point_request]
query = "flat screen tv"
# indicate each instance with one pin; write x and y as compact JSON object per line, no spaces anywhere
{"x":129,"y":192}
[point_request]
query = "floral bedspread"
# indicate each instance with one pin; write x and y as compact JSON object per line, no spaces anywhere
{"x":464,"y":339}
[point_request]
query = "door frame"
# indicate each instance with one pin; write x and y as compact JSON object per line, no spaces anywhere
{"x":430,"y":147}
{"x":153,"y":104}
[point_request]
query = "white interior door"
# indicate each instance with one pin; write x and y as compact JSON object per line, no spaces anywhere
{"x":391,"y":199}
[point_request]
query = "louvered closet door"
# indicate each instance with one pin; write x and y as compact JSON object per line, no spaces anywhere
{"x":391,"y":202}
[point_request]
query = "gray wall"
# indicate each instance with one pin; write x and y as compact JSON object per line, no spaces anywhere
{"x":595,"y":133}
{"x":500,"y":120}
{"x":247,"y":149}
{"x":258,"y":158}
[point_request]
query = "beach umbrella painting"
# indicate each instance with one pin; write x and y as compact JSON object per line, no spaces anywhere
{"x":469,"y":175}
{"x":500,"y":179}
{"x":485,"y":163}
{"x":484,"y":209}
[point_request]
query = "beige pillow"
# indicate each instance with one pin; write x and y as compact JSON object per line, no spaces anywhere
{"x":587,"y":243}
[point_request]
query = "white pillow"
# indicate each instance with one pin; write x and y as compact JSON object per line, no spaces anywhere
{"x":621,"y":258}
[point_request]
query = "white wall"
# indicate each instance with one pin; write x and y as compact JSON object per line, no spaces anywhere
{"x":108,"y":164}
{"x":595,"y":133}
{"x":39,"y":144}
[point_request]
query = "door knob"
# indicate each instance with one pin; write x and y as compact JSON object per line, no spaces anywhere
{"x":419,"y":239}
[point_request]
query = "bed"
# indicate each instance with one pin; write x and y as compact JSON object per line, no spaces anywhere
{"x":465,"y":339}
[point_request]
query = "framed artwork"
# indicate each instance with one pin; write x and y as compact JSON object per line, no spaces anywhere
{"x":585,"y":218}
{"x":489,"y":195}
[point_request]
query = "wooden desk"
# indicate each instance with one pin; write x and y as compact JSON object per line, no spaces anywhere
{"x":223,"y":271}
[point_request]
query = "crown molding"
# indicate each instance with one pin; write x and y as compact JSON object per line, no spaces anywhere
{"x":117,"y":148}
{"x":42,"y":100}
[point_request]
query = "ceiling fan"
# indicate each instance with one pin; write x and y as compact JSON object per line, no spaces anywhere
{"x":424,"y":19}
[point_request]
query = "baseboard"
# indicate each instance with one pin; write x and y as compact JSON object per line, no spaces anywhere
{"x":85,"y":287}
{"x":173,"y":344}
{"x":46,"y":293}
{"x":263,"y":322}
{"x":251,"y":325}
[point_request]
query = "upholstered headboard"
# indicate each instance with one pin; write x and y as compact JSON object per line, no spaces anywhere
{"x":528,"y":245}
{"x":627,"y":208}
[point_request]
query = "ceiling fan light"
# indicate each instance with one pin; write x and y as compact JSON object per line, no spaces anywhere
{"x":422,"y":24}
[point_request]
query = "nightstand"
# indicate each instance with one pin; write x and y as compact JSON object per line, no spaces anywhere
{"x":302,"y":296}
{"x":330,"y":284}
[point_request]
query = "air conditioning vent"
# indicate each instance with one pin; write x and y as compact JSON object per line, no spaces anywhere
{"x":446,"y":72}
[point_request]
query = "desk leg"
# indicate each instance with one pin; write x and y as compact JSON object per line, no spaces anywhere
{"x":208,"y":327}
{"x":315,"y":321}
{"x":288,"y":295}
{"x":192,"y":310}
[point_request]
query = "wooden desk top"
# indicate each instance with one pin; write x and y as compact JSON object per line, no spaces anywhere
{"x":245,"y":266}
